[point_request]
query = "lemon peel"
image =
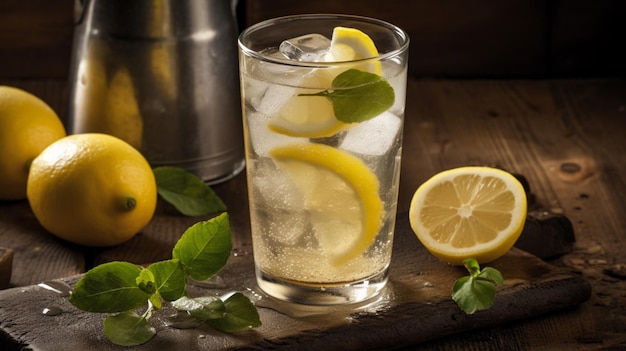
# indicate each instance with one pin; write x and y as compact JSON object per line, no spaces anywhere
{"x":340,"y":192}
{"x":27,"y":126}
{"x":92,"y":189}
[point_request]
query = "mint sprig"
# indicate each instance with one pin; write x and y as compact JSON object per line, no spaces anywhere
{"x":122,"y":287}
{"x":478,"y":290}
{"x":357,"y":96}
{"x":186,"y":192}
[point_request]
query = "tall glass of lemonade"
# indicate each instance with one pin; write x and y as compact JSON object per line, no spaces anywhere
{"x":323,"y":108}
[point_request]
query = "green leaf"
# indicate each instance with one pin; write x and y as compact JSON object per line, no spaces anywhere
{"x":205,"y":247}
{"x":474,"y":294}
{"x":109,"y":288}
{"x":145,"y":281}
{"x":357,"y":96}
{"x":492,"y":275}
{"x":128,"y":329}
{"x":478,"y":290}
{"x":186,"y":192}
{"x":169,"y":277}
{"x":472,"y":266}
{"x":240,"y":314}
{"x":202,"y":308}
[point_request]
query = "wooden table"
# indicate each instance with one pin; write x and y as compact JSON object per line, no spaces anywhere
{"x":567,"y":137}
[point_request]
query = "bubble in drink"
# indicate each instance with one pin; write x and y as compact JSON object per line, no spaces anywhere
{"x":306,"y":48}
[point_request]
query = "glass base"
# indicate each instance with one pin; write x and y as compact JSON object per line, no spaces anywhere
{"x":318,"y":294}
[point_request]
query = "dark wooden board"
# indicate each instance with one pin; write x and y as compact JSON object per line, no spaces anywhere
{"x":414,"y":308}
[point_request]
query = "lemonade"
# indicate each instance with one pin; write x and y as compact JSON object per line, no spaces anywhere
{"x":323,"y":116}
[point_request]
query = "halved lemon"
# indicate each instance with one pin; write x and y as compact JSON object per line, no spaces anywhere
{"x":313,"y":116}
{"x":465,"y":212}
{"x":340,"y":193}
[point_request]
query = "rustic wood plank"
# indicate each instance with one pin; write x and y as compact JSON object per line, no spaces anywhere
{"x":414,"y":308}
{"x":38,"y":255}
{"x":542,"y":129}
{"x":6,"y":267}
{"x":566,"y":137}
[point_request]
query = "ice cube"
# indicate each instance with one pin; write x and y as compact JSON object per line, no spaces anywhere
{"x":373,"y":137}
{"x":262,"y":138}
{"x":305,"y":48}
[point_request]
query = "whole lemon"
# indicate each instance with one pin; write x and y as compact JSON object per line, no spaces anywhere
{"x":27,"y":126}
{"x":92,"y":189}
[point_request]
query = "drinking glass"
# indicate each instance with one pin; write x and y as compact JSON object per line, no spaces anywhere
{"x":323,"y":119}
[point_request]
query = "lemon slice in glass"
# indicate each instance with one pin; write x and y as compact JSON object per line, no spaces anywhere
{"x":313,"y":116}
{"x":340,"y":193}
{"x":349,"y":44}
{"x":465,"y":212}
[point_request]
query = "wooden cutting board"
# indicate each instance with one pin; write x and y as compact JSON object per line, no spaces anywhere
{"x":415,"y":307}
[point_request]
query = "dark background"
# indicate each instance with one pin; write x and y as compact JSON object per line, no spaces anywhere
{"x":449,"y":38}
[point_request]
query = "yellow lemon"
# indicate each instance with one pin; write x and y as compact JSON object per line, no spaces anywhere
{"x":27,"y":126}
{"x":465,"y":212}
{"x":313,"y":116}
{"x":340,"y":193}
{"x":350,"y":44}
{"x":92,"y":189}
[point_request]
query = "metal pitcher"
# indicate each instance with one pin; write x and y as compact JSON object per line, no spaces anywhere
{"x":161,"y":75}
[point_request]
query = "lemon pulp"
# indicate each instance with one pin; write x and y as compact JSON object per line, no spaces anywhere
{"x":340,"y":193}
{"x":476,"y":212}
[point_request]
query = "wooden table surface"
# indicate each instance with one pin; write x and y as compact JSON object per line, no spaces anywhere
{"x":567,"y":137}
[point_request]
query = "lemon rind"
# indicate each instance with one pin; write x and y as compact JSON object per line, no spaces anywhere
{"x":356,"y":174}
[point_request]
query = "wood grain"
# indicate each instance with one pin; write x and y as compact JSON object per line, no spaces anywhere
{"x":565,"y":136}
{"x":414,"y":308}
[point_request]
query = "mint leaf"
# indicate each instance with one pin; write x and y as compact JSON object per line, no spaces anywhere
{"x":478,"y":290}
{"x":145,"y":282}
{"x":202,"y":308}
{"x":186,"y":192}
{"x":109,"y":288}
{"x":128,"y":329}
{"x":122,"y":287}
{"x":205,"y":247}
{"x":492,"y":275}
{"x":169,"y":278}
{"x":357,"y":96}
{"x":240,"y":314}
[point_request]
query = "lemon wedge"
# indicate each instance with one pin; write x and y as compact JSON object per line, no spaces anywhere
{"x":465,"y":212}
{"x":349,"y":44}
{"x":313,"y":116}
{"x":340,"y":193}
{"x":307,"y":117}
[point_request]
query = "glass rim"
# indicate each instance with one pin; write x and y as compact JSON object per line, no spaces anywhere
{"x":400,"y":33}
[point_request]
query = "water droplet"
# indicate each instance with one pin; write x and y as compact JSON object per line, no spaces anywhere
{"x":428,"y":284}
{"x":52,"y":311}
{"x":57,"y":287}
